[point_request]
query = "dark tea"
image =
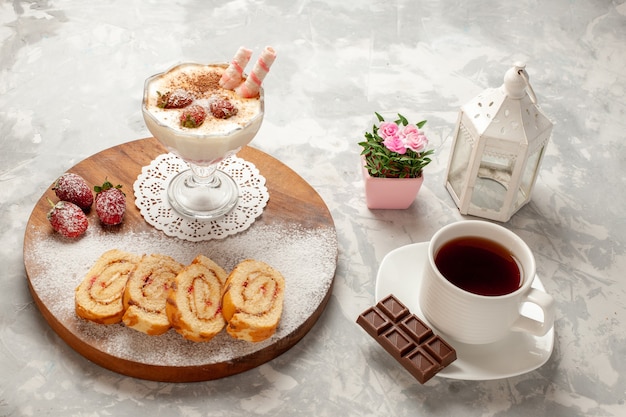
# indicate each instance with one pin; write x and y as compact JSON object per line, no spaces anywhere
{"x":478,"y":265}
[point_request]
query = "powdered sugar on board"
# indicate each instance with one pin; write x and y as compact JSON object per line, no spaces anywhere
{"x":306,"y":258}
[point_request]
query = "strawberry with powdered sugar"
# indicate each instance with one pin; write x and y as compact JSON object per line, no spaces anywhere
{"x":68,"y":219}
{"x":73,"y":188}
{"x":192,"y":116}
{"x":176,"y":99}
{"x":110,"y":203}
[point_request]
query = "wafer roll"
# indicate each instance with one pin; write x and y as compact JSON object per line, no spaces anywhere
{"x":253,"y":301}
{"x":146,"y":294}
{"x":194,"y":303}
{"x":98,"y":298}
{"x":233,"y":76}
{"x":252,"y":84}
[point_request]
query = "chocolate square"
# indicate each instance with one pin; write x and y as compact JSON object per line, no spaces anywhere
{"x":393,"y":308}
{"x":421,"y":365}
{"x":440,"y":350}
{"x":396,"y":342}
{"x":416,"y":328}
{"x":373,"y":321}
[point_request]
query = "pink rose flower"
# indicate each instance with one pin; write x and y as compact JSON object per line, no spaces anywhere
{"x":395,"y":144}
{"x":388,"y":130}
{"x":410,"y":129}
{"x":416,"y":141}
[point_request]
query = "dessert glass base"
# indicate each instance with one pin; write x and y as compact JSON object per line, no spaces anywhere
{"x":203,"y":193}
{"x":150,"y":189}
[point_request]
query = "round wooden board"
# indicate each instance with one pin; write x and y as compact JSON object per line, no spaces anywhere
{"x":292,"y":202}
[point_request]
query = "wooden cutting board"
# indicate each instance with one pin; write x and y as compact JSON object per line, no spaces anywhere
{"x":292,"y":202}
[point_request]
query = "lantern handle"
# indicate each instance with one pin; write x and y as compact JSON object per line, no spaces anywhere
{"x":531,"y":93}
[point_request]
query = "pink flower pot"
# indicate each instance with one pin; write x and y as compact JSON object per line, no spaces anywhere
{"x":390,"y":193}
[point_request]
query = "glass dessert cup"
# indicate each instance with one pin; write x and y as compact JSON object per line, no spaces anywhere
{"x":203,"y":191}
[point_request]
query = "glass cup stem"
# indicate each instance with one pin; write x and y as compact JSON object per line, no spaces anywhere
{"x":203,"y":192}
{"x":203,"y":176}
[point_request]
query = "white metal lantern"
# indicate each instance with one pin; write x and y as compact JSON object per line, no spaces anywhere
{"x":499,"y":142}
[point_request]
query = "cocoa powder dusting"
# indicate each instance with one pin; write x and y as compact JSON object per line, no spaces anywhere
{"x":207,"y":82}
{"x":199,"y":85}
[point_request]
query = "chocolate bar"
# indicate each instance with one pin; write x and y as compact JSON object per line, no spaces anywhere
{"x":408,"y":339}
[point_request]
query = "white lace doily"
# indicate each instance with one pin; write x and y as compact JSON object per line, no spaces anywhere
{"x":151,"y":199}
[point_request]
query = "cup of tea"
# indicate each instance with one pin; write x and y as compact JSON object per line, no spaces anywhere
{"x":476,"y":279}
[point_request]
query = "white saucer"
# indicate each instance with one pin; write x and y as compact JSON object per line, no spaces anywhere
{"x":400,"y":274}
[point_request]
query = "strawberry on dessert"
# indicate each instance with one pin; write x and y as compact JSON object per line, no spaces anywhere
{"x":222,"y":108}
{"x":73,"y":188}
{"x":176,"y":99}
{"x":110,"y":203}
{"x":193,"y":116}
{"x":68,"y":219}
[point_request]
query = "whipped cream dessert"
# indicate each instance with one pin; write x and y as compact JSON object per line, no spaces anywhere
{"x":188,"y":111}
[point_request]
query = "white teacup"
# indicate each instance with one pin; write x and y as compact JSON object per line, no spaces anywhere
{"x":475,"y":318}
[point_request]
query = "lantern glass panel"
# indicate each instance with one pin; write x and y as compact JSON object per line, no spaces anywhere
{"x":492,"y":183}
{"x":461,"y":154}
{"x":528,"y":177}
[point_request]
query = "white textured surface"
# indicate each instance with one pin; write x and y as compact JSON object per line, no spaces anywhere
{"x":71,"y":79}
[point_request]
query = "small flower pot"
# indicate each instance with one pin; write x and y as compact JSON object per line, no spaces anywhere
{"x":390,"y":193}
